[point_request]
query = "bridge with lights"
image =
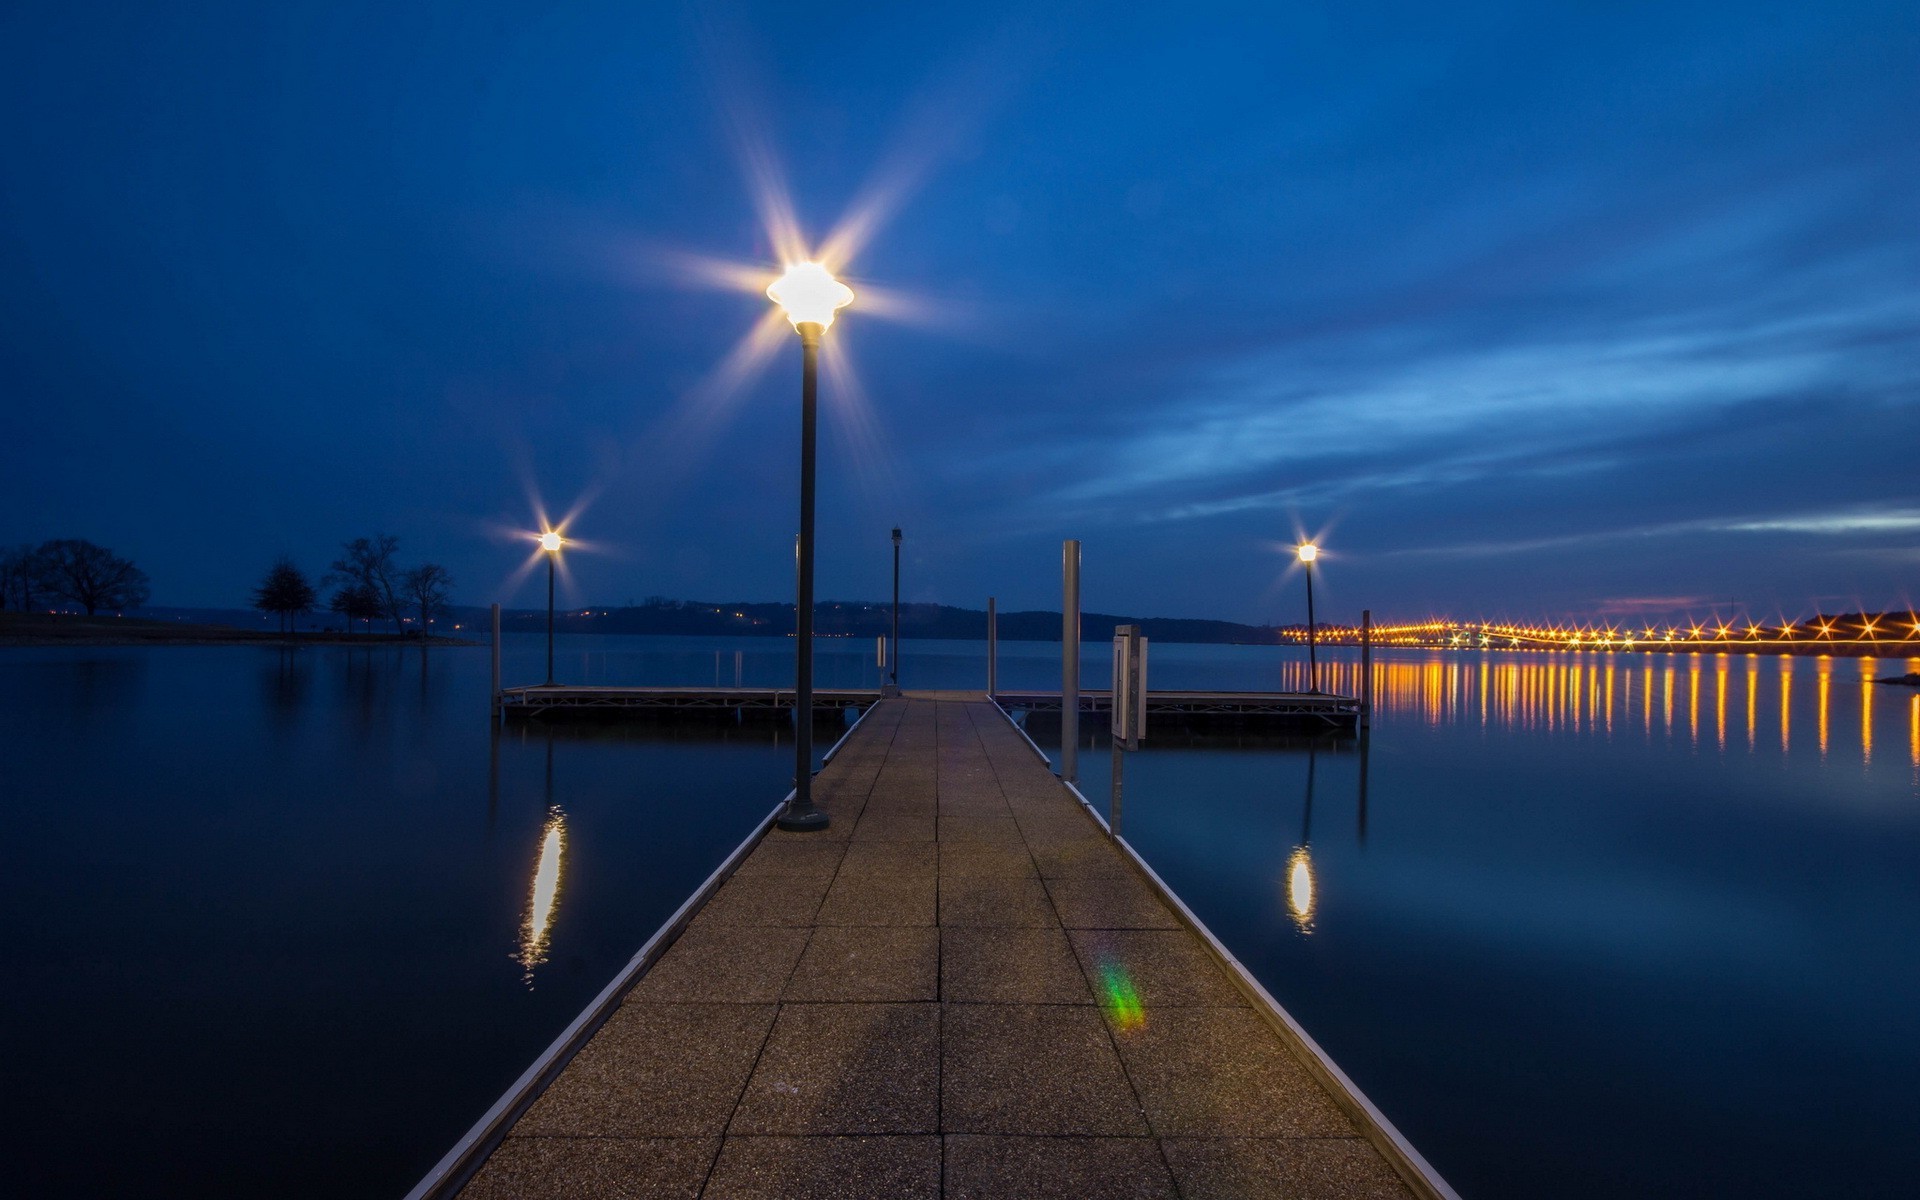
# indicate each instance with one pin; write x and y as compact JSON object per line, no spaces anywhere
{"x":1895,"y":633}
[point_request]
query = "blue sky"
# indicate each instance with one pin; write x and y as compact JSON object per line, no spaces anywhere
{"x":1530,"y":310}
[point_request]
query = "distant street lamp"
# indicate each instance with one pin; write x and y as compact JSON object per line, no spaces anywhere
{"x":550,"y":541}
{"x":894,"y":676}
{"x":810,"y":295}
{"x":1308,"y":552}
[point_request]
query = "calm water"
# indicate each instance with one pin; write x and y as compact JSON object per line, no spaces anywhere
{"x":288,"y":922}
{"x":1597,"y":926}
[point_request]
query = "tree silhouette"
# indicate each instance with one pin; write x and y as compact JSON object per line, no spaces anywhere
{"x":355,"y":602}
{"x":368,"y":563}
{"x":426,"y":588}
{"x":285,"y":592}
{"x":20,"y":572}
{"x":91,"y":576}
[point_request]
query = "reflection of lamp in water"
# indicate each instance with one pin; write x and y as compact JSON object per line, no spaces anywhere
{"x":810,"y":295}
{"x":1300,"y":862}
{"x":1300,"y":887}
{"x":544,"y":895}
{"x":550,"y":542}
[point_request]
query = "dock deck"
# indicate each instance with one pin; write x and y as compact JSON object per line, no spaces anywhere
{"x":964,"y":987}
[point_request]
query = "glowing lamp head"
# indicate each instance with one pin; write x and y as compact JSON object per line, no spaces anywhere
{"x":1308,"y":552}
{"x":809,"y":294}
{"x":551,"y":542}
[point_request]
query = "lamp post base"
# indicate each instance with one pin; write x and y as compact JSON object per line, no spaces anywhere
{"x":801,"y":820}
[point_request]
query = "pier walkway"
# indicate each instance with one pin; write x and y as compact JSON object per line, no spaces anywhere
{"x":962,"y":988}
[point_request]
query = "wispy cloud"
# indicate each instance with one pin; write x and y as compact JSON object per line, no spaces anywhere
{"x":1843,"y":523}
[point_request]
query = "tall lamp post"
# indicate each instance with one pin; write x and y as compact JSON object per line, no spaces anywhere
{"x":894,"y":675}
{"x":810,"y":295}
{"x":551,"y":541}
{"x":1308,"y":552}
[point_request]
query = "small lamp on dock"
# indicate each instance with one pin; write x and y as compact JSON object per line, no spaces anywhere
{"x":1307,"y":552}
{"x":810,"y":295}
{"x":551,"y":541}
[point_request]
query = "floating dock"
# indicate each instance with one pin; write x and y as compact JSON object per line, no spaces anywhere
{"x":545,"y":700}
{"x":964,"y":987}
{"x":1190,"y":710}
{"x":1200,"y":709}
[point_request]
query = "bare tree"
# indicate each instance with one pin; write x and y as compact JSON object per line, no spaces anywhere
{"x":285,"y":592}
{"x":426,"y":588}
{"x":91,"y":576}
{"x":356,"y":602}
{"x":20,"y":572}
{"x":369,"y":563}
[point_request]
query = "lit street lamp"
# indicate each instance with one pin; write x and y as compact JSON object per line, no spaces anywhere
{"x":1308,"y":552}
{"x":550,"y":541}
{"x":894,"y":677}
{"x":810,"y":295}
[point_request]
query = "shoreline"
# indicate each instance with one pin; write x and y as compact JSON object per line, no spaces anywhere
{"x":46,"y":629}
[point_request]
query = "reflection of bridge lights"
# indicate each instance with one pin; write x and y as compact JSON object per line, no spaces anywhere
{"x":1300,"y":888}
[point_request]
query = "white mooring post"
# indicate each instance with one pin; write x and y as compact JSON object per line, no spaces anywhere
{"x":1070,"y":660}
{"x":1128,"y":720}
{"x":993,"y":649}
{"x":496,"y":660}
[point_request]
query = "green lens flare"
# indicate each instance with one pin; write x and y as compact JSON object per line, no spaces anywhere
{"x":1122,"y":1001}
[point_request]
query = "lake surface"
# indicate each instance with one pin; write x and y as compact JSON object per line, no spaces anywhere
{"x":1599,"y":925}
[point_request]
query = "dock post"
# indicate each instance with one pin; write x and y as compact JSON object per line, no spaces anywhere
{"x":993,"y":649}
{"x":1070,"y":660}
{"x":1366,"y":668}
{"x":496,"y":661}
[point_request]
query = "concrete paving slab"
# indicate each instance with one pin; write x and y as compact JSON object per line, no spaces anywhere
{"x":879,"y":825}
{"x":806,"y":859}
{"x":655,"y":1070}
{"x":826,"y":1168}
{"x":987,"y":830}
{"x":575,"y":1168}
{"x":1077,"y":857}
{"x":867,"y":964}
{"x":1282,"y":1169}
{"x":880,"y":900}
{"x":1221,"y":1072}
{"x":994,"y":859}
{"x":1033,"y":1070}
{"x":846,"y":1068}
{"x":1160,"y":967}
{"x":767,"y":901}
{"x":989,"y":900}
{"x":1055,"y":1168}
{"x":723,"y":964}
{"x":1010,"y":966}
{"x":1109,"y":902}
{"x":909,"y":859}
